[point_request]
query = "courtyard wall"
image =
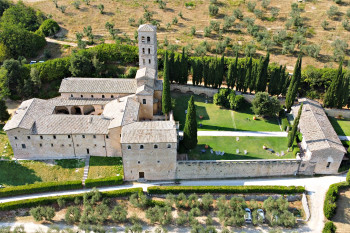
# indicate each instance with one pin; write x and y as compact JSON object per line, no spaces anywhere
{"x":338,"y":112}
{"x":197,"y":90}
{"x":211,"y":169}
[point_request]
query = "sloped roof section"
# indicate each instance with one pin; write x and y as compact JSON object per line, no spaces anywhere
{"x":98,"y":85}
{"x":28,"y":112}
{"x":149,"y":132}
{"x":144,"y":90}
{"x":158,"y":85}
{"x":145,"y":73}
{"x":147,"y":28}
{"x":71,"y":124}
{"x":316,"y":128}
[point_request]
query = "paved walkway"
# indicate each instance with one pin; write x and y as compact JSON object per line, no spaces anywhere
{"x":316,"y":189}
{"x":344,"y":138}
{"x":241,"y":133}
{"x":86,"y":169}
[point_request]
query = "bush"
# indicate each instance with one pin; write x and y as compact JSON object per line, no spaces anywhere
{"x":49,"y":27}
{"x":264,"y":105}
{"x":40,"y":187}
{"x":40,"y":213}
{"x":285,"y":124}
{"x":213,"y":10}
{"x":72,"y":215}
{"x":330,"y":204}
{"x":225,"y":189}
{"x":329,"y":227}
{"x":116,"y":180}
{"x":27,"y":203}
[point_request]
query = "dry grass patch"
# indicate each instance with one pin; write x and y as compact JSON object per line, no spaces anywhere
{"x":342,"y":216}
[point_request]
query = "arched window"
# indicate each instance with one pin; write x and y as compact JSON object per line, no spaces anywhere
{"x":143,"y":39}
{"x":92,"y":96}
{"x":148,"y":39}
{"x":155,"y":146}
{"x":141,"y":147}
{"x":143,"y":50}
{"x":129,"y":147}
{"x":103,"y":96}
{"x":149,"y":61}
{"x":149,"y":51}
{"x":71,"y":95}
{"x":112,"y":96}
{"x":169,"y":146}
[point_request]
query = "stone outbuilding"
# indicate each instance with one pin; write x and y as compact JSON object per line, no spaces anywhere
{"x":322,"y":151}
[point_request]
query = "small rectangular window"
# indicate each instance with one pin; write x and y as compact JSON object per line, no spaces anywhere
{"x":54,"y":136}
{"x":28,"y":137}
{"x":144,"y":101}
{"x":41,"y":137}
{"x":138,"y":162}
{"x":70,"y":145}
{"x":68,"y":136}
{"x":83,"y":136}
{"x":16,"y":138}
{"x":328,"y":164}
{"x":51,"y":145}
{"x":23,"y":146}
{"x":87,"y":151}
{"x":41,"y":145}
{"x":149,"y":61}
{"x":107,"y":136}
{"x":94,"y":136}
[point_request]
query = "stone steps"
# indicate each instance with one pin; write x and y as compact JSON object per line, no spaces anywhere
{"x":86,"y":169}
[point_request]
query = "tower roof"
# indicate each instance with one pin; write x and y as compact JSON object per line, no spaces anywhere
{"x":147,"y":28}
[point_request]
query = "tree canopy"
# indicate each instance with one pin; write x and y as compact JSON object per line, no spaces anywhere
{"x":264,"y":105}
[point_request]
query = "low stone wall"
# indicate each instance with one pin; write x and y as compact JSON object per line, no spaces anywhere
{"x":306,"y":207}
{"x":212,"y":169}
{"x":197,"y":90}
{"x":249,"y":98}
{"x":338,"y":112}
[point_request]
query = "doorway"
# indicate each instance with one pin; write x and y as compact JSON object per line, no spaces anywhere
{"x":141,"y":175}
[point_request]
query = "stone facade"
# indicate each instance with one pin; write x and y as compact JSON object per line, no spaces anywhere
{"x":212,"y":169}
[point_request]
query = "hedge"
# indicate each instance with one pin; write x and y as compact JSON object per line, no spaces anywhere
{"x":90,"y":183}
{"x":332,"y":195}
{"x":329,"y":227}
{"x":225,"y":189}
{"x":28,"y":203}
{"x":40,"y":187}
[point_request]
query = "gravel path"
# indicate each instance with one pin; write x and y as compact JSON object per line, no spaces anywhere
{"x":316,"y":189}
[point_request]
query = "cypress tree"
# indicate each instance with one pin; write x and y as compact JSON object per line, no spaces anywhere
{"x":4,"y":114}
{"x":334,"y":95}
{"x":235,"y":71}
{"x":211,"y":73}
{"x":190,"y":130}
{"x":262,"y":75}
{"x":253,"y":78}
{"x":274,"y":81}
{"x":194,"y":72}
{"x":166,"y":98}
{"x":294,"y":84}
{"x":346,"y":89}
{"x":283,"y":81}
{"x":205,"y":72}
{"x":172,"y":68}
{"x":292,"y":133}
{"x":230,"y":78}
{"x":259,"y":74}
{"x":199,"y":65}
{"x":248,"y":76}
{"x":220,"y":71}
{"x":184,"y":67}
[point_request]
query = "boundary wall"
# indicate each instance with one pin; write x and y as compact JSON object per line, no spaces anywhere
{"x":337,"y":112}
{"x":197,"y":90}
{"x":212,"y":169}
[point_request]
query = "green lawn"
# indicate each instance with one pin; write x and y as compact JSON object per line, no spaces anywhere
{"x":28,"y":172}
{"x":341,"y":126}
{"x":216,"y":118}
{"x":101,"y":167}
{"x":5,"y":147}
{"x":253,"y":145}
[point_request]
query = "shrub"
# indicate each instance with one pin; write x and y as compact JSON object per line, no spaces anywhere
{"x":49,"y":27}
{"x":72,"y":215}
{"x":116,"y":180}
{"x":40,"y":213}
{"x":119,"y":214}
{"x":27,"y":203}
{"x":61,"y":202}
{"x":225,"y":189}
{"x":348,"y":176}
{"x":237,"y":13}
{"x":329,"y":227}
{"x":330,"y":204}
{"x":333,"y":11}
{"x":251,"y":6}
{"x":40,"y":187}
{"x":264,"y":105}
{"x":213,"y":10}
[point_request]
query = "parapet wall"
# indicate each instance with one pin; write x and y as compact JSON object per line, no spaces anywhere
{"x":197,"y":90}
{"x":211,"y":169}
{"x":338,"y":112}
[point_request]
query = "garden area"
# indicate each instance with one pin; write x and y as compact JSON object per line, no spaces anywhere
{"x":341,"y":126}
{"x":5,"y":147}
{"x":226,"y":148}
{"x":102,"y":167}
{"x":101,"y":212}
{"x":213,"y":117}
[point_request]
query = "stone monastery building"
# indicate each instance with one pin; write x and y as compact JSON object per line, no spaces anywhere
{"x":103,"y":117}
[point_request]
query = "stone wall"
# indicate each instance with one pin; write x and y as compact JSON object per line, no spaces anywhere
{"x":338,"y":112}
{"x":210,"y":169}
{"x":197,"y":90}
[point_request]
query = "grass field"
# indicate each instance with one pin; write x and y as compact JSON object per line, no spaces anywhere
{"x":341,"y":126}
{"x":119,"y":12}
{"x":101,"y":167}
{"x":5,"y":147}
{"x":215,"y":118}
{"x":253,"y":145}
{"x":28,"y":172}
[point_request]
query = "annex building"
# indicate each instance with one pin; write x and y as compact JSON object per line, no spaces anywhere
{"x":103,"y":117}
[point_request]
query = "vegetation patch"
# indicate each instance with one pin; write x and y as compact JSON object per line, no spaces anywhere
{"x":254,"y":147}
{"x":105,"y":167}
{"x":341,"y":126}
{"x":117,"y":180}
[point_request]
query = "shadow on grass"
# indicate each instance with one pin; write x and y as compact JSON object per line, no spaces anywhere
{"x":12,"y":173}
{"x":70,"y":163}
{"x":105,"y":161}
{"x":336,"y":126}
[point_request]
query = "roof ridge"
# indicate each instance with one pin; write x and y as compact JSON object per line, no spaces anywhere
{"x":26,"y":111}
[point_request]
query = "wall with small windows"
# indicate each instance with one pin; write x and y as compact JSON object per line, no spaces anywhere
{"x":28,"y":146}
{"x":327,"y":161}
{"x":146,"y":106}
{"x":113,"y":146}
{"x":150,"y":161}
{"x":93,"y":95}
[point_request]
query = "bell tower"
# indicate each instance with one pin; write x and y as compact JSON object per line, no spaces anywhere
{"x":147,"y":36}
